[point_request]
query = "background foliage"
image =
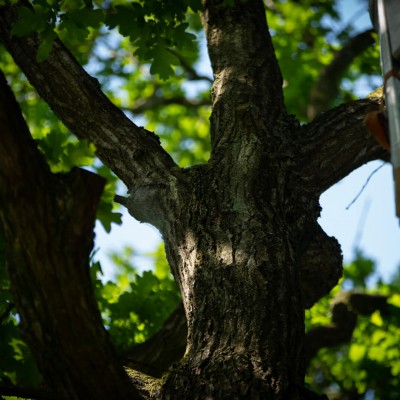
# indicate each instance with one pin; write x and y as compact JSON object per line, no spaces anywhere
{"x":148,"y":57}
{"x":368,"y":367}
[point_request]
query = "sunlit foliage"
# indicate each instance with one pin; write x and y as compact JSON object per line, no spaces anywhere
{"x":150,"y":59}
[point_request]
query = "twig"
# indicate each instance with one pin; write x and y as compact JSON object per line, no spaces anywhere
{"x":365,"y":185}
{"x":356,"y":15}
{"x":192,"y":73}
{"x":361,"y":225}
{"x":154,"y":101}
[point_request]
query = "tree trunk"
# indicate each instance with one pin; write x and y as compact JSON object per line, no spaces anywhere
{"x":229,"y":239}
{"x":48,"y":223}
{"x":241,"y":232}
{"x":234,"y":259}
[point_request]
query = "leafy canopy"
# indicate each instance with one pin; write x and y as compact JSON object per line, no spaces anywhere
{"x":152,"y":26}
{"x":147,"y":56}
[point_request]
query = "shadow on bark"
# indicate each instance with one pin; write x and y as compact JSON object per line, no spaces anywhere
{"x":48,"y":222}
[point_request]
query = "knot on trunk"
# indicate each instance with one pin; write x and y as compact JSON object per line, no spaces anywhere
{"x":147,"y":203}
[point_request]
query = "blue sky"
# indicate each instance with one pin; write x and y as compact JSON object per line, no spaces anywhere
{"x":369,"y":224}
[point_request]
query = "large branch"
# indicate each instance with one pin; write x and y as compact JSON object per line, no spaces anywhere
{"x":48,"y":223}
{"x":133,"y":153}
{"x":167,"y":346}
{"x":326,"y":87}
{"x":346,"y":307}
{"x":334,"y":144}
{"x":247,"y":90}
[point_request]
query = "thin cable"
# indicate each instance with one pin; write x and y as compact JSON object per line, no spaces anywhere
{"x":365,"y":185}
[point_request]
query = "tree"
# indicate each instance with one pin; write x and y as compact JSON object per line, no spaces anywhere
{"x":240,"y":230}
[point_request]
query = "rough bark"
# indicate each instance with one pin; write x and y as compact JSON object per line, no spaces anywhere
{"x":228,"y":248}
{"x":241,"y":232}
{"x":48,"y":223}
{"x":335,"y":144}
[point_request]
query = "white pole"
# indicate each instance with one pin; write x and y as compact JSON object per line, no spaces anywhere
{"x":388,"y":19}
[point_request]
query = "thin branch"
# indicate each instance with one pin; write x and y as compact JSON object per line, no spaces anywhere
{"x":152,"y":102}
{"x":365,"y":185}
{"x":191,"y":72}
{"x":360,"y":226}
{"x":351,"y":21}
{"x":327,"y":86}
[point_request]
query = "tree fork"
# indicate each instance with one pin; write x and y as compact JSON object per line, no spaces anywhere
{"x":239,"y":281}
{"x":237,"y":229}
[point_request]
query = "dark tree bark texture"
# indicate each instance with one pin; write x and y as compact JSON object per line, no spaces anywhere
{"x":48,"y":224}
{"x":241,"y":232}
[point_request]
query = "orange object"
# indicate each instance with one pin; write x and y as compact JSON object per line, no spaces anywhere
{"x":377,"y":124}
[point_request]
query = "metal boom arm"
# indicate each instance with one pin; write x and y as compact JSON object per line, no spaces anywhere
{"x":385,"y":15}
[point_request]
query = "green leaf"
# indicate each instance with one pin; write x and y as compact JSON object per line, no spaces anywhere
{"x":87,"y":17}
{"x":71,"y":5}
{"x":52,"y":145}
{"x":162,"y":61}
{"x":152,"y":27}
{"x":376,"y":318}
{"x":195,"y":5}
{"x":357,"y":352}
{"x":129,"y":20}
{"x":74,"y":31}
{"x":182,"y":39}
{"x":80,"y":153}
{"x":29,"y":22}
{"x":106,"y":215}
{"x":395,"y":300}
{"x":47,"y":39}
